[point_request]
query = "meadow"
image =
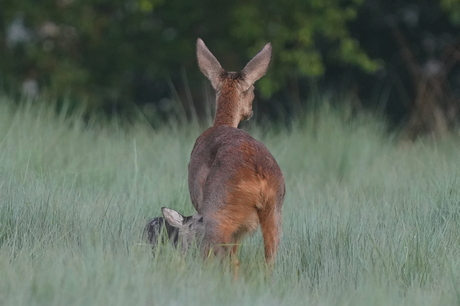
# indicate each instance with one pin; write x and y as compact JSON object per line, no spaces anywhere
{"x":366,"y":220}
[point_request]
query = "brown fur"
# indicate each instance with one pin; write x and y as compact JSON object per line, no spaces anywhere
{"x":234,"y":181}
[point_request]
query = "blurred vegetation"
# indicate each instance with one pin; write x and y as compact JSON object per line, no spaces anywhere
{"x":129,"y":55}
{"x":100,"y":49}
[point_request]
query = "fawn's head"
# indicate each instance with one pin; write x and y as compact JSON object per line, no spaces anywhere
{"x":180,"y":230}
{"x":235,"y":90}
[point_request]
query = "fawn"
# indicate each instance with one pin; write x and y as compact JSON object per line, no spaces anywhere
{"x":235,"y":183}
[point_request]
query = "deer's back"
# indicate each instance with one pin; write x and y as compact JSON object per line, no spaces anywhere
{"x":226,"y":161}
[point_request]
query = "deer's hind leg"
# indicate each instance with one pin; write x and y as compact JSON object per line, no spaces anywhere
{"x":224,"y":232}
{"x":217,"y":239}
{"x":270,"y":223}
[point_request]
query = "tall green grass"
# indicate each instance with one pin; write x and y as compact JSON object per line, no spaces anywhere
{"x":365,"y":221}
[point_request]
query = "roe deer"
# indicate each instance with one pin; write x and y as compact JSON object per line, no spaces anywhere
{"x":235,"y":183}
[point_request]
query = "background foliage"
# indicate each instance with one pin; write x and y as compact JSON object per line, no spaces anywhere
{"x":129,"y":55}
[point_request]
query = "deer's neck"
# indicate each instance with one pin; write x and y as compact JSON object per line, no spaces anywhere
{"x":227,"y":112}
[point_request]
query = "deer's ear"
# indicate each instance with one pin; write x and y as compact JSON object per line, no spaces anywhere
{"x":173,"y":218}
{"x":257,"y":66}
{"x":209,"y":64}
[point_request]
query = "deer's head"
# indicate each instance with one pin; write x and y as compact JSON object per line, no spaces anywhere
{"x":234,"y":90}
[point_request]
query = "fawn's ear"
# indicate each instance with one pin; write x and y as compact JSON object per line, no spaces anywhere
{"x":172,"y":217}
{"x":208,"y":64}
{"x":257,"y":67}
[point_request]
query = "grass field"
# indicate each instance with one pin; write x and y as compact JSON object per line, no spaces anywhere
{"x":365,"y":222}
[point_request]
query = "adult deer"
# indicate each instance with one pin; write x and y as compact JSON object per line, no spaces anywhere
{"x":234,"y":181}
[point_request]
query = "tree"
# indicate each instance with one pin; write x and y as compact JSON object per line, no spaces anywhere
{"x":307,"y":35}
{"x":90,"y":48}
{"x":419,"y":46}
{"x":117,"y":52}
